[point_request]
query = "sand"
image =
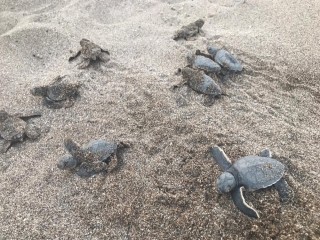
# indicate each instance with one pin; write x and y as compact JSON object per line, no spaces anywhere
{"x":165,"y":187}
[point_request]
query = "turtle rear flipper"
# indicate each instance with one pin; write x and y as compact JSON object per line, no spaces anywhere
{"x":285,"y":192}
{"x":221,"y":158}
{"x":239,"y":201}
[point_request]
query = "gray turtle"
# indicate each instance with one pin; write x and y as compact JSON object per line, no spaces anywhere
{"x":60,"y":93}
{"x":15,"y":128}
{"x":251,"y":173}
{"x":89,"y":160}
{"x":200,"y":82}
{"x":189,"y":30}
{"x":90,"y":52}
{"x":225,"y":59}
{"x":203,"y":63}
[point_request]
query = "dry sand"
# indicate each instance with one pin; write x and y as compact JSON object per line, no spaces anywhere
{"x":166,"y":186}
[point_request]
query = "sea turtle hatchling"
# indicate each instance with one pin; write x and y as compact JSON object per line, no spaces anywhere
{"x":15,"y":128}
{"x":200,"y":82}
{"x":88,"y":160}
{"x":251,"y":173}
{"x":89,"y":53}
{"x":189,"y":30}
{"x":60,"y":93}
{"x":225,"y":59}
{"x":203,"y":63}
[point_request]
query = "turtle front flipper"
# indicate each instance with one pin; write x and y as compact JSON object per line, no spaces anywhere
{"x":84,"y":63}
{"x":4,"y":145}
{"x":74,"y":149}
{"x":239,"y":201}
{"x":27,"y":115}
{"x":53,"y":104}
{"x":78,"y":153}
{"x":221,"y":158}
{"x":74,"y":56}
{"x":285,"y":192}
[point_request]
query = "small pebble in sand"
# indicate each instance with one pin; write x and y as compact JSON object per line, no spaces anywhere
{"x":15,"y":128}
{"x":189,"y":30}
{"x":251,"y":173}
{"x":225,"y":59}
{"x":60,"y":93}
{"x":90,"y":53}
{"x":88,"y":160}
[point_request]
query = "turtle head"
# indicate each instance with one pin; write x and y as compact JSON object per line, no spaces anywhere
{"x":212,"y":50}
{"x":199,"y":23}
{"x":67,"y":162}
{"x":84,"y":41}
{"x":39,"y":91}
{"x":3,"y":115}
{"x":226,"y":182}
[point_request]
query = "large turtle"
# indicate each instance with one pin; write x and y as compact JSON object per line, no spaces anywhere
{"x":89,"y":53}
{"x":251,"y":173}
{"x":60,"y":93}
{"x":14,"y":128}
{"x":90,"y":159}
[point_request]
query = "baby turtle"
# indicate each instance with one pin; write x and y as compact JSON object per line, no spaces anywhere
{"x":203,"y":63}
{"x":14,"y":128}
{"x":60,"y":93}
{"x":200,"y":82}
{"x":190,"y":30}
{"x":251,"y":173}
{"x":90,"y":52}
{"x":225,"y":59}
{"x":89,"y":160}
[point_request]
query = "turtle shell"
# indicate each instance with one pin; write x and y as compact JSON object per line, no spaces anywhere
{"x":206,"y":64}
{"x":102,"y":148}
{"x":12,"y":128}
{"x":89,"y":49}
{"x":258,"y":172}
{"x":201,"y":82}
{"x":225,"y":59}
{"x":57,"y":92}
